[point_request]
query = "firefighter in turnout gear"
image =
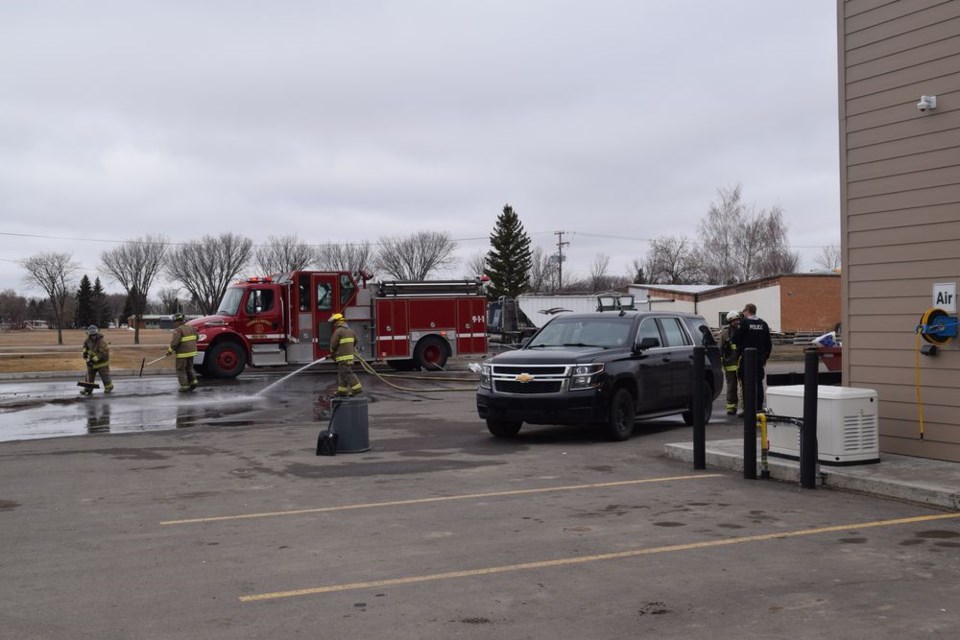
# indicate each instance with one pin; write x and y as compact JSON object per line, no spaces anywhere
{"x":96,"y":353}
{"x":184,"y":344}
{"x":730,"y":358}
{"x":342,"y":349}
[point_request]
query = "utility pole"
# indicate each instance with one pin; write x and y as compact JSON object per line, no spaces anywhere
{"x":560,"y":245}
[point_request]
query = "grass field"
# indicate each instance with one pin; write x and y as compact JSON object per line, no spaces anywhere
{"x":38,"y":351}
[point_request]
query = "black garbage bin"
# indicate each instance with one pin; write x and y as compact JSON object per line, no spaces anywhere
{"x":350,"y":424}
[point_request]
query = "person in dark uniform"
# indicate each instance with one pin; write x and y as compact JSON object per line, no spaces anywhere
{"x":754,"y":333}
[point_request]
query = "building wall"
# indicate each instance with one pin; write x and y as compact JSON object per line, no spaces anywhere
{"x":900,"y":211}
{"x":665,"y":299}
{"x":809,"y":303}
{"x":766,"y":296}
{"x":804,"y":302}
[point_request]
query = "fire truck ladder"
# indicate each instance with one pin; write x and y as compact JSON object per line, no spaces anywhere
{"x":434,"y":288}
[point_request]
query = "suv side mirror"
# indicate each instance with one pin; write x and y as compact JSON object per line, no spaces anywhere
{"x":647,"y":343}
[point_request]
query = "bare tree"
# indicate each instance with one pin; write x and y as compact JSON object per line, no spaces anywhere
{"x":206,"y":267}
{"x":598,"y":278}
{"x":352,"y":257}
{"x":543,"y":271}
{"x":13,"y":308}
{"x":476,"y":264}
{"x":829,"y":257}
{"x":50,"y":272}
{"x":740,"y":243}
{"x":169,"y":300}
{"x":671,"y":260}
{"x":416,"y":256}
{"x":135,"y":264}
{"x":283,"y":254}
{"x":774,"y":250}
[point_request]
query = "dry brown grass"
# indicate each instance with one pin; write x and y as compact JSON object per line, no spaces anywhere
{"x":38,"y":351}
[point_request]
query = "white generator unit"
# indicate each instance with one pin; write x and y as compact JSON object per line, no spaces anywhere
{"x":847,"y":425}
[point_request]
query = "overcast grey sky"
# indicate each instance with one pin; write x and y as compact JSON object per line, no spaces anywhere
{"x":613,"y":120}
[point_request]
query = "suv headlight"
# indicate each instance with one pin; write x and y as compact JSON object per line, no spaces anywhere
{"x":485,"y":376}
{"x":586,"y":376}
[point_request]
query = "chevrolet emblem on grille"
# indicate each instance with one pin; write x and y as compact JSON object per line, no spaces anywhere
{"x":524,"y":377}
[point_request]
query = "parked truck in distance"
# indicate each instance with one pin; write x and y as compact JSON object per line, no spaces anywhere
{"x":606,"y":368}
{"x":284,"y":319}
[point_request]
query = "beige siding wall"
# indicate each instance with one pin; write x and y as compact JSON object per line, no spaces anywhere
{"x":900,"y":203}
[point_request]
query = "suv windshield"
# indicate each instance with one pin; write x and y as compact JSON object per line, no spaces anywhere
{"x":606,"y":332}
{"x":230,"y":302}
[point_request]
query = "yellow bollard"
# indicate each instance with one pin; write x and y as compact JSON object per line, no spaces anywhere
{"x":764,"y":445}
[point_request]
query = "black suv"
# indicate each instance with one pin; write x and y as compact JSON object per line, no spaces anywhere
{"x":604,"y":368}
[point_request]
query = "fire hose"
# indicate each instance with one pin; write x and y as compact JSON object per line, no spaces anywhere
{"x":369,"y":369}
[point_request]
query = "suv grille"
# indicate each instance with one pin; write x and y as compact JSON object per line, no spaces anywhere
{"x":526,"y":380}
{"x":542,"y":370}
{"x":537,"y":386}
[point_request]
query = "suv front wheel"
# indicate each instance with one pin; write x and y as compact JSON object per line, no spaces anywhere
{"x":504,"y":428}
{"x":707,"y":407}
{"x":620,"y":421}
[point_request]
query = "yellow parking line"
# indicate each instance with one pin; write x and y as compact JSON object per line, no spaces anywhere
{"x":467,"y":496}
{"x":525,"y":566}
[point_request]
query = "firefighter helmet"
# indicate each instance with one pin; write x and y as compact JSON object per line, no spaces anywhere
{"x":337,"y":317}
{"x":92,"y":330}
{"x":178,"y":317}
{"x":733,"y":315}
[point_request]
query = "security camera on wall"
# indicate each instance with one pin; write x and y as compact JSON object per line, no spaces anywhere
{"x":927,"y":103}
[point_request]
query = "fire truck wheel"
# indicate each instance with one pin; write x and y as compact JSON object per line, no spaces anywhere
{"x":225,"y":360}
{"x":401,"y":365}
{"x":430,"y":354}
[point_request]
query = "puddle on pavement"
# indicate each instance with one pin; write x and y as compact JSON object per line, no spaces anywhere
{"x":52,"y":409}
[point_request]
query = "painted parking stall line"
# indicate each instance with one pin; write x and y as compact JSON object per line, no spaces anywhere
{"x":561,"y":562}
{"x":465,"y":496}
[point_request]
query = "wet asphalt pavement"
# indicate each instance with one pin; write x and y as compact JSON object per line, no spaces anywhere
{"x":232,"y":527}
{"x":54,"y":408}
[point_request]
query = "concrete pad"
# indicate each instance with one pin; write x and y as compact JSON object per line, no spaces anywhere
{"x":930,"y":482}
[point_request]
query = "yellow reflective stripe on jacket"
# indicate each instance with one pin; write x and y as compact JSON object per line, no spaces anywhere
{"x":731,"y":367}
{"x":188,"y":354}
{"x":346,"y":358}
{"x":346,"y":340}
{"x":187,"y":338}
{"x":100,"y":365}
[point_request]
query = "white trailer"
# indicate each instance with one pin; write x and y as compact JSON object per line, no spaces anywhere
{"x":540,"y":309}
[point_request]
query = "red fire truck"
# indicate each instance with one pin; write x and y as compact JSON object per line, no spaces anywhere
{"x":284,"y":319}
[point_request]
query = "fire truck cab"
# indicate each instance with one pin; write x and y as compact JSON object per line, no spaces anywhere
{"x":284,"y":319}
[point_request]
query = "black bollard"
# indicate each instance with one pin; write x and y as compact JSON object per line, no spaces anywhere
{"x":697,"y":408}
{"x":808,"y":432}
{"x":749,"y":367}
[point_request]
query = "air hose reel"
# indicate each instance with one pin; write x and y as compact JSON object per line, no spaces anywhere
{"x":937,"y":326}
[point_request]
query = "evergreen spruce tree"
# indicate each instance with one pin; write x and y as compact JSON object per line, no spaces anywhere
{"x":508,"y":261}
{"x":85,"y":315}
{"x":101,"y":311}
